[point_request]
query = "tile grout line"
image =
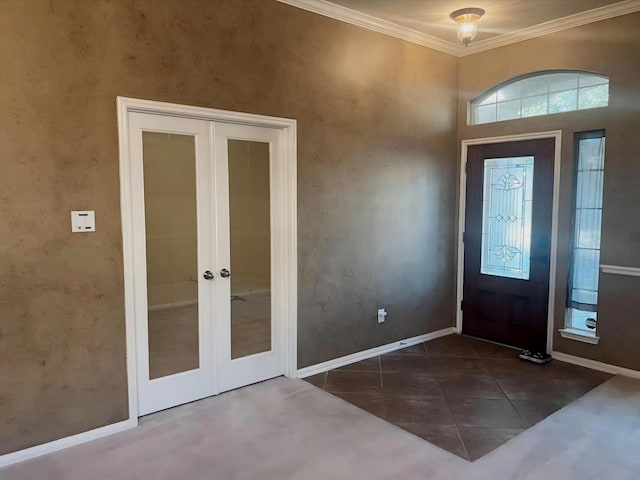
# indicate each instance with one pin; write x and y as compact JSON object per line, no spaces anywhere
{"x":455,"y":421}
{"x":457,"y":425}
{"x":384,"y":403}
{"x":524,"y":422}
{"x":439,"y":381}
{"x":464,"y":446}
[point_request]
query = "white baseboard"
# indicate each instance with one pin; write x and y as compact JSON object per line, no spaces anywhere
{"x":594,"y":365}
{"x":372,"y":352}
{"x":54,"y":446}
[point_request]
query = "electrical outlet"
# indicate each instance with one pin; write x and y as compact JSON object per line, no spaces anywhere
{"x":382,"y":315}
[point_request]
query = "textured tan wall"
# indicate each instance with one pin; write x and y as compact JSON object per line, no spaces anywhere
{"x":376,"y":178}
{"x":609,"y":47}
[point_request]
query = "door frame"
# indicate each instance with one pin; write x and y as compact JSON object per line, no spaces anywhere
{"x":288,"y":154}
{"x":555,"y":134}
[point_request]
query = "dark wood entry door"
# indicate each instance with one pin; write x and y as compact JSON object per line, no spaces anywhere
{"x":507,"y":242}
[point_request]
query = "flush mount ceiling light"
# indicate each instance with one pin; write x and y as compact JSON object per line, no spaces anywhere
{"x":467,"y":20}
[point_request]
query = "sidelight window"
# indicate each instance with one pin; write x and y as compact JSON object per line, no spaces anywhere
{"x":582,"y":298}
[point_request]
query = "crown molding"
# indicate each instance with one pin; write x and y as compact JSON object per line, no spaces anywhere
{"x":583,"y":18}
{"x":353,"y":17}
{"x":344,"y":14}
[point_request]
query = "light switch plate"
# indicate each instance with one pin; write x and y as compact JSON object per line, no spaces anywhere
{"x":83,"y":221}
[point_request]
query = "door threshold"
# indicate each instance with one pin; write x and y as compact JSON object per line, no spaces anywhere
{"x":490,"y":341}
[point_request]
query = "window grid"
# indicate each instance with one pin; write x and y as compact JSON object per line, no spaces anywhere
{"x":486,"y":108}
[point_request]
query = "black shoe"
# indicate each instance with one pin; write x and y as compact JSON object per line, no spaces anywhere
{"x":534,"y":356}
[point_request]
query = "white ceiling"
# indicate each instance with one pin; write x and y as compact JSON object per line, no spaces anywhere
{"x":502,"y":16}
{"x":427,"y":22}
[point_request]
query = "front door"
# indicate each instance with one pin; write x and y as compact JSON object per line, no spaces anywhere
{"x":507,"y":242}
{"x":208,"y":275}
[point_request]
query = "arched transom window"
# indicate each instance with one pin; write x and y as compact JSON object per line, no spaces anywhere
{"x":540,"y":93}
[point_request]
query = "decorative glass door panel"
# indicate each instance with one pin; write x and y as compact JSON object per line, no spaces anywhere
{"x":506,"y":217}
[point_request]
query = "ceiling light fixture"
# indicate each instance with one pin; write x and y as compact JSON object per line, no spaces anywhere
{"x":467,"y":20}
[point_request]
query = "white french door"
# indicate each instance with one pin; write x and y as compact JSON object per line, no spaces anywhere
{"x":208,"y":279}
{"x":174,"y":242}
{"x":251,"y":339}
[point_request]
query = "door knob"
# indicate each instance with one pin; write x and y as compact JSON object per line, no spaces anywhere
{"x":224,"y":273}
{"x":208,"y":275}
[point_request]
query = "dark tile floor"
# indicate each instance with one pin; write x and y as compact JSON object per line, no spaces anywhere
{"x":464,"y":395}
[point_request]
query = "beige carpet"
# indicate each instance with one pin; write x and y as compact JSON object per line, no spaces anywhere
{"x":288,"y":429}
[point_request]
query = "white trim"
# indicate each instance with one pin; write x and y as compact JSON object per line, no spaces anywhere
{"x":56,"y":445}
{"x":126,"y":213}
{"x":555,"y":134}
{"x":290,"y":151}
{"x":618,"y":270}
{"x":126,"y":105}
{"x":359,"y":19}
{"x":554,"y":26}
{"x":595,"y":365}
{"x":372,"y":352}
{"x":354,"y":17}
{"x":579,"y":335}
{"x":203,"y":113}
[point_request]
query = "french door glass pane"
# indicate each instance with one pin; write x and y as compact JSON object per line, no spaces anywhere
{"x":250,"y":232}
{"x":169,"y":163}
{"x":506,"y":217}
